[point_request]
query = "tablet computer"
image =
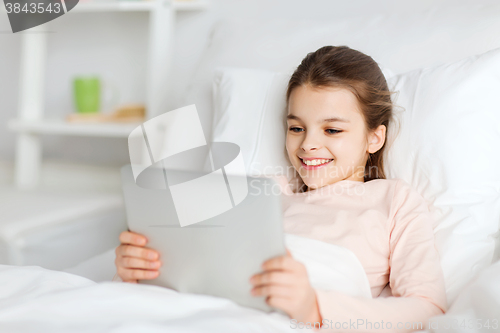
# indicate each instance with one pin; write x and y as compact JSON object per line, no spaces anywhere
{"x":206,"y":250}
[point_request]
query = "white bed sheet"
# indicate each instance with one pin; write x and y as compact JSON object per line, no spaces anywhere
{"x":34,"y":299}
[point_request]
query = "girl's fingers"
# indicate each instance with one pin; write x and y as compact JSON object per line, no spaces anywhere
{"x":272,"y":290}
{"x":279,"y":303}
{"x":127,"y":274}
{"x":273,"y":277}
{"x":132,"y":262}
{"x":138,"y":252}
{"x":286,"y":263}
{"x":127,"y":237}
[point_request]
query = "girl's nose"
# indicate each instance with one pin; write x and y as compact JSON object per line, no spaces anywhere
{"x":309,"y":144}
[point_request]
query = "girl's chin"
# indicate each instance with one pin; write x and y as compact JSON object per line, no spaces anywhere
{"x":315,"y":183}
{"x":316,"y":176}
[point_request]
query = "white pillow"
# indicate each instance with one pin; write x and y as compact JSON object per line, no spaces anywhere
{"x":249,"y":110}
{"x":447,"y":150}
{"x":447,"y":147}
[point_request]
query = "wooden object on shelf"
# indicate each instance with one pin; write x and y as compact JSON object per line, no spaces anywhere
{"x":131,"y":113}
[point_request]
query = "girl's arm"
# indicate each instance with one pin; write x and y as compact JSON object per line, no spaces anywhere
{"x":416,"y":277}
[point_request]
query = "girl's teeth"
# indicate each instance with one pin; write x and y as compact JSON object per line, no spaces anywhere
{"x":316,"y":162}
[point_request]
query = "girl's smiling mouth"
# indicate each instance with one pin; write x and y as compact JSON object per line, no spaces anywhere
{"x":314,"y":163}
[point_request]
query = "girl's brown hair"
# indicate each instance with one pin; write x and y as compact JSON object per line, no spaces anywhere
{"x":343,"y":67}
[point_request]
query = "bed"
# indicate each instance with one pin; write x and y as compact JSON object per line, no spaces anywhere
{"x":445,"y":65}
{"x":52,"y":228}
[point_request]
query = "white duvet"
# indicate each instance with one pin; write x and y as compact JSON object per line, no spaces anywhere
{"x":33,"y":299}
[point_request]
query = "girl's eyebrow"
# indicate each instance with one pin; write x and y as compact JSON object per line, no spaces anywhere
{"x":334,"y":119}
{"x":327,"y":120}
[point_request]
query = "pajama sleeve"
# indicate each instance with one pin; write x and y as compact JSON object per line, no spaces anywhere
{"x":416,"y":277}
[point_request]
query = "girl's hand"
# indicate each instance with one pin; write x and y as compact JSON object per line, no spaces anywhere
{"x":133,"y":260}
{"x":286,"y":285}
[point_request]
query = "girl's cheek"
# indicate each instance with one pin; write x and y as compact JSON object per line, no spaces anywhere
{"x":289,"y":145}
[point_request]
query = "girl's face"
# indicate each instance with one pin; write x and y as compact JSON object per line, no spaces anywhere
{"x":326,"y":138}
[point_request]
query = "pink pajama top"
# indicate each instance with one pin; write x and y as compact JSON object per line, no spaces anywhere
{"x":387,"y":224}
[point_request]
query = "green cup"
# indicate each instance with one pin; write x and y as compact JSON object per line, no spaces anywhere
{"x":87,"y":94}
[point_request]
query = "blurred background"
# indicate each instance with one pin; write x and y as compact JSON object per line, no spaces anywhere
{"x":60,"y":199}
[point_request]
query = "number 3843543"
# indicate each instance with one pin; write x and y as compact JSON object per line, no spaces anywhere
{"x":33,"y":8}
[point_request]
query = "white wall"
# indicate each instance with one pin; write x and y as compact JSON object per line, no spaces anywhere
{"x":114,"y":45}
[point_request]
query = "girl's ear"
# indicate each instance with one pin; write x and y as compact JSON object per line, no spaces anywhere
{"x":376,"y":139}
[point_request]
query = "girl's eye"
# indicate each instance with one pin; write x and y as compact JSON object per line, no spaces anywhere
{"x":296,"y":129}
{"x":332,"y":131}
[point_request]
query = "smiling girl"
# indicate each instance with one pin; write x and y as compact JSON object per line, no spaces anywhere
{"x":338,"y":113}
